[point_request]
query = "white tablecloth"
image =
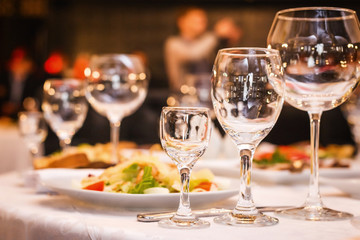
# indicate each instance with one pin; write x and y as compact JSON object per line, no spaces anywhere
{"x":13,"y":152}
{"x":25,"y":214}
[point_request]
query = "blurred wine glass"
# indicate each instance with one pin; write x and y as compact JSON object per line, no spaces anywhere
{"x":184,"y":135}
{"x":116,"y":88}
{"x":65,"y":107}
{"x":351,"y":110}
{"x":247,"y":94}
{"x":319,"y":47}
{"x":33,"y":130}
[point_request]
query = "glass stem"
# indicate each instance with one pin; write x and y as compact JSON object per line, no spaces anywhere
{"x":114,"y":135}
{"x":184,"y":210}
{"x":245,"y":204}
{"x":65,"y":143}
{"x":313,"y":199}
{"x":35,"y":151}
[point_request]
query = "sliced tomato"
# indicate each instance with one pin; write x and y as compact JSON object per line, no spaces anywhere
{"x":204,"y":185}
{"x":264,"y":155}
{"x":97,"y":186}
{"x":293,"y":153}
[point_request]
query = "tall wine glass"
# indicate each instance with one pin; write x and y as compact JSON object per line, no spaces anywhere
{"x":65,"y":107}
{"x":247,"y":94}
{"x":319,"y":47}
{"x":184,"y":134}
{"x":117,"y":86}
{"x":33,"y":130}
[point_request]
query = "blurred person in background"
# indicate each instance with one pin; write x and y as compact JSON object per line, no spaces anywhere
{"x":189,"y":55}
{"x":19,"y":84}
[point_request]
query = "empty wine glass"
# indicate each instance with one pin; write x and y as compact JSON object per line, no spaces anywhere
{"x":117,"y":86}
{"x":184,"y":134}
{"x":65,"y":107}
{"x":351,"y":110}
{"x":247,"y":94}
{"x":319,"y":47}
{"x":33,"y":130}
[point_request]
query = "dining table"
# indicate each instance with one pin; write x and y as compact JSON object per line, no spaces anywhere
{"x":28,"y":210}
{"x":15,"y":156}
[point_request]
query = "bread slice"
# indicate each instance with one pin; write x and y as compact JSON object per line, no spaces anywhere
{"x":73,"y":160}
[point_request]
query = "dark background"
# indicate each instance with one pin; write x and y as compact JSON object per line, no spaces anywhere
{"x":96,"y":26}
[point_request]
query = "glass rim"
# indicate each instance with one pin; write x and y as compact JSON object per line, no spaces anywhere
{"x":116,"y":56}
{"x":266,"y":51}
{"x":32,"y":113}
{"x":63,"y":79}
{"x":351,"y":13}
{"x":180,"y":108}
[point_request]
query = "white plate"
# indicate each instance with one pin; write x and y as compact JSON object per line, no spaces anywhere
{"x":347,"y":182}
{"x":230,"y":168}
{"x":66,"y":182}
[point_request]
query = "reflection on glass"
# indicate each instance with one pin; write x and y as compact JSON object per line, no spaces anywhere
{"x":117,"y":86}
{"x":33,"y":130}
{"x":65,"y":107}
{"x":184,"y":135}
{"x":247,"y":94}
{"x":320,"y":53}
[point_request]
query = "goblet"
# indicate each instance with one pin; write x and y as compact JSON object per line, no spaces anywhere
{"x":33,"y":130}
{"x":351,"y":110}
{"x":247,"y":95}
{"x":65,"y":107}
{"x":184,"y":135}
{"x":117,"y":86}
{"x":319,"y":47}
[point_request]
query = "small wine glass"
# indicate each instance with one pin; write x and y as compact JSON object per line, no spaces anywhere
{"x":247,"y":94}
{"x":184,"y":134}
{"x":117,"y":86}
{"x":319,"y":47}
{"x":65,"y":107}
{"x":33,"y":130}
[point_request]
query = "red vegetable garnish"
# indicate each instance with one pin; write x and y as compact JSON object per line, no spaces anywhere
{"x":204,"y":185}
{"x":293,"y":153}
{"x":97,"y":186}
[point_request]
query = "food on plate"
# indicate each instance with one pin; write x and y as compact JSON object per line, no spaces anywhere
{"x":296,"y":157}
{"x":146,"y":174}
{"x":82,"y":156}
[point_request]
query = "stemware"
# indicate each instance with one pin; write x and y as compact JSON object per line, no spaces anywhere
{"x":184,"y":135}
{"x":351,"y":110}
{"x":65,"y":107}
{"x":33,"y":130}
{"x":319,"y":47}
{"x":247,"y":95}
{"x":117,"y":86}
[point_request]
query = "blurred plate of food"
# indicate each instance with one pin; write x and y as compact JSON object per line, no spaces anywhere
{"x":348,"y":183}
{"x":142,"y":181}
{"x":290,"y":164}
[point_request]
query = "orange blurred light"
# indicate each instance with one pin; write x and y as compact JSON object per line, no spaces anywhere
{"x":54,"y":64}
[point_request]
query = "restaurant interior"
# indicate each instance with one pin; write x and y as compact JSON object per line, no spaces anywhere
{"x":71,"y":31}
{"x":59,"y":39}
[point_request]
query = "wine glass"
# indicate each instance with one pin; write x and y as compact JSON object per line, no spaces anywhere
{"x":65,"y":107}
{"x":319,"y":47}
{"x":33,"y":130}
{"x":117,"y":86}
{"x":184,"y":134}
{"x":351,"y":110}
{"x":247,"y":95}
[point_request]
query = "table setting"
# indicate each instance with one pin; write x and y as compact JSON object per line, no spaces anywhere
{"x":173,"y":190}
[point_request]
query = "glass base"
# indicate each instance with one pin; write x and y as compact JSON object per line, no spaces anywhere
{"x":314,"y":214}
{"x":193,"y":223}
{"x":257,"y":220}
